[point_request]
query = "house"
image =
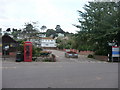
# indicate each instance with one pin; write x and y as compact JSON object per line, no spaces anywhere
{"x":8,"y":45}
{"x":36,"y":40}
{"x":48,"y":43}
{"x":44,"y":42}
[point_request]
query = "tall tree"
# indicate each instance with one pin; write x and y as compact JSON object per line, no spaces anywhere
{"x":50,"y":32}
{"x":58,"y":29}
{"x":43,"y":28}
{"x":98,"y":24}
{"x":29,"y":30}
{"x":8,"y":30}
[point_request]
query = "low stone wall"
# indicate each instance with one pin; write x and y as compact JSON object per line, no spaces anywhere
{"x":12,"y":54}
{"x":86,"y":52}
{"x":81,"y":52}
{"x":54,"y":48}
{"x":99,"y":57}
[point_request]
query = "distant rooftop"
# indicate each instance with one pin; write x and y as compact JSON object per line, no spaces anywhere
{"x":49,"y":38}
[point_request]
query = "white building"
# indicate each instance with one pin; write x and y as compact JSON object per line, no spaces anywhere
{"x":48,"y":42}
{"x":44,"y":42}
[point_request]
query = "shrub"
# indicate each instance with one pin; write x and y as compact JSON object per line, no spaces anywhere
{"x":90,"y":56}
{"x":47,"y":60}
{"x":21,"y":46}
{"x":51,"y":58}
{"x":101,"y":52}
{"x":36,"y":51}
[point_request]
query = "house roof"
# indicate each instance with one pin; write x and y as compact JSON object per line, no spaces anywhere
{"x":48,"y":38}
{"x":8,"y":39}
{"x":34,"y":38}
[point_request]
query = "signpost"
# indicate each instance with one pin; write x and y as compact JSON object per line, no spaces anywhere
{"x":115,"y":52}
{"x":111,"y":44}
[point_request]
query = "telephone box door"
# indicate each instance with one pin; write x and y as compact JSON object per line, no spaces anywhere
{"x":27,"y":51}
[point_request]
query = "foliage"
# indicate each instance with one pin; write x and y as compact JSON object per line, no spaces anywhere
{"x":99,"y":24}
{"x":36,"y":51}
{"x":67,"y":42}
{"x":90,"y":56}
{"x":58,"y":29}
{"x":8,"y":30}
{"x":51,"y":58}
{"x":47,"y":60}
{"x":21,"y":46}
{"x":34,"y":58}
{"x":101,"y":52}
{"x":30,"y":30}
{"x":54,"y":33}
{"x":16,"y":33}
{"x":43,"y":28}
{"x":51,"y":32}
{"x":60,"y":46}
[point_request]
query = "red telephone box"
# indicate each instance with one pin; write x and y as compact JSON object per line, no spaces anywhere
{"x":27,"y":51}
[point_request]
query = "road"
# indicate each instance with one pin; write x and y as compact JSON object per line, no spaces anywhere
{"x":62,"y":74}
{"x":60,"y":56}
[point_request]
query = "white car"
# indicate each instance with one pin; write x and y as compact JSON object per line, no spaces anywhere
{"x":71,"y":54}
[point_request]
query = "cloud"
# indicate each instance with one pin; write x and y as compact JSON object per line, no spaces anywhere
{"x":14,"y":13}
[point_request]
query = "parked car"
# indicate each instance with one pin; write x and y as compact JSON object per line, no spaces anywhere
{"x":71,"y":54}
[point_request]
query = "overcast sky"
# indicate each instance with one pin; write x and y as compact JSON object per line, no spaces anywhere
{"x":15,"y":13}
